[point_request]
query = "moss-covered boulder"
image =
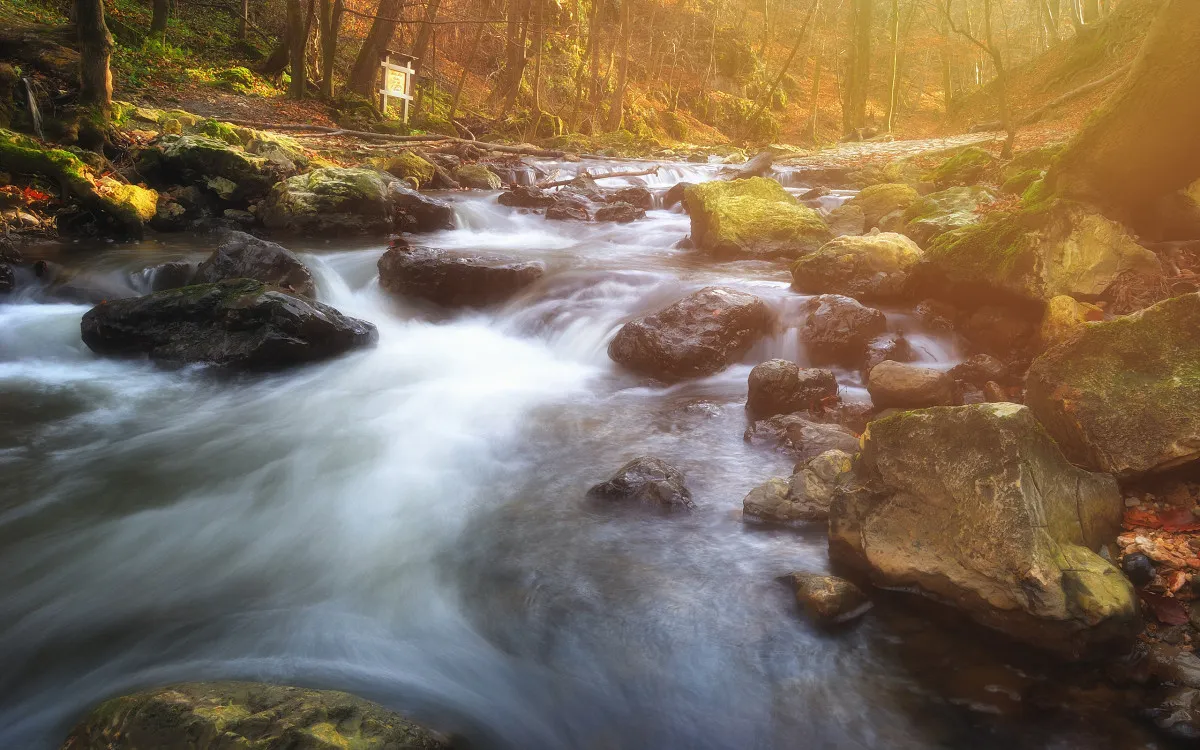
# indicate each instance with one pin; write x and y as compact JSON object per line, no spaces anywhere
{"x":333,"y":200}
{"x":968,"y":167}
{"x":976,"y":507}
{"x":284,"y":152}
{"x":203,"y":161}
{"x":1123,"y":396}
{"x":872,"y":266}
{"x":753,"y":218}
{"x":878,"y":201}
{"x":1035,"y":254}
{"x":943,"y":211}
{"x":477,"y":177}
{"x":408,"y":166}
{"x":1064,"y":317}
{"x":135,"y":205}
{"x":247,"y":716}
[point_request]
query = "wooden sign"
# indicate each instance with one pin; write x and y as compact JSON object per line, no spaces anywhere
{"x":397,"y":84}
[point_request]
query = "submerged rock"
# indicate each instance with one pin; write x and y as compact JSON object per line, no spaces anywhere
{"x":525,"y":196}
{"x":236,"y":715}
{"x":754,"y":218}
{"x":649,"y":481}
{"x":829,"y":600}
{"x":454,"y":279}
{"x":568,"y":208}
{"x":621,"y":213}
{"x":1123,"y":396}
{"x":778,"y":386}
{"x":976,"y":507}
{"x":905,"y":386}
{"x":244,"y":256}
{"x":240,"y":324}
{"x":873,"y":266}
{"x":700,"y":334}
{"x":805,"y":496}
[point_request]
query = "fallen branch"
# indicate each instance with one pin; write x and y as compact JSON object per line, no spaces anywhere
{"x":759,"y":166}
{"x":432,"y":138}
{"x":1041,"y":111}
{"x":606,"y":175}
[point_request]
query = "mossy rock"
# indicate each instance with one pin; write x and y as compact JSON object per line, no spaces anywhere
{"x":238,"y":79}
{"x":868,"y":267}
{"x":1034,"y":159}
{"x":185,"y":119}
{"x":754,"y":217}
{"x":137,"y":205}
{"x":976,"y":507}
{"x":1019,"y":182}
{"x":281,"y":150}
{"x":1066,"y":316}
{"x":331,"y":200}
{"x":199,"y":159}
{"x":898,"y":171}
{"x":477,"y":177}
{"x":408,"y":165}
{"x":222,"y":131}
{"x":937,"y":213}
{"x":877,"y":201}
{"x":968,"y":167}
{"x":1123,"y":396}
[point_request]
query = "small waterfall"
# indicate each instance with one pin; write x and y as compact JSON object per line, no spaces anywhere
{"x":35,"y":114}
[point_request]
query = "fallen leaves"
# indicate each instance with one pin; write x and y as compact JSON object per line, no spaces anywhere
{"x":1166,"y":610}
{"x":1163,"y":532}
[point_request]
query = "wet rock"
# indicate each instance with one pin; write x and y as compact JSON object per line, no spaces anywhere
{"x":813,"y":194}
{"x":798,"y":435}
{"x":207,"y":162}
{"x":526,"y":196}
{"x":1176,"y":712}
{"x":172,"y":275}
{"x":838,"y":328}
{"x":244,"y":256}
{"x":873,"y":266}
{"x":567,"y":208}
{"x":978,"y":369}
{"x":829,"y":600}
{"x":805,"y":497}
{"x":877,"y":201}
{"x":8,"y":279}
{"x":778,"y":386}
{"x":701,"y":334}
{"x":1018,"y":556}
{"x":454,"y":279}
{"x":649,"y":481}
{"x":634,"y":196}
{"x":247,"y":715}
{"x":847,"y":220}
{"x":1000,"y":330}
{"x":418,"y":213}
{"x":477,"y":177}
{"x":1123,"y":396}
{"x":888,"y":348}
{"x":675,"y":194}
{"x":621,"y":213}
{"x":332,"y":200}
{"x":240,"y":324}
{"x":941,"y":212}
{"x":753,"y":218}
{"x":407,"y":165}
{"x":904,"y":386}
{"x":1064,"y":317}
{"x":1138,"y":569}
{"x":936,"y":314}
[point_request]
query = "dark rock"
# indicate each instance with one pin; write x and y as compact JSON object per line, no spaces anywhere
{"x":240,"y":324}
{"x":814,"y":193}
{"x":172,"y":275}
{"x":675,"y":194}
{"x":244,"y":256}
{"x":804,"y":497}
{"x":889,"y":348}
{"x":778,"y":386}
{"x":829,"y":600}
{"x":419,"y":213}
{"x":622,"y":213}
{"x":999,"y":330}
{"x":454,"y":279}
{"x":994,"y":393}
{"x":8,"y":279}
{"x":634,"y":196}
{"x":247,"y":715}
{"x":700,"y":334}
{"x":906,"y":386}
{"x":1176,"y":712}
{"x":526,"y":196}
{"x":568,"y":209}
{"x":838,"y":328}
{"x":649,"y":481}
{"x":1139,"y":569}
{"x":797,"y":435}
{"x":978,"y":369}
{"x":936,"y":314}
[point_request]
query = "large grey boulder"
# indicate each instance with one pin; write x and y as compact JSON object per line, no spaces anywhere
{"x":778,"y":386}
{"x":244,"y":256}
{"x":837,"y":328}
{"x":454,"y":279}
{"x":898,"y":385}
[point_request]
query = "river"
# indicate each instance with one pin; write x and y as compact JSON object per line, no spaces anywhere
{"x":409,"y":523}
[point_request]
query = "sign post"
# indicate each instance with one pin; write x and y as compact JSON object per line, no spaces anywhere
{"x":397,"y":81}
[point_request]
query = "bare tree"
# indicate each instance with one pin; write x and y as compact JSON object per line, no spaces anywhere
{"x":365,"y":71}
{"x":988,"y":46}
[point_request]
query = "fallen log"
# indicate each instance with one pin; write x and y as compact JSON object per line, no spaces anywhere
{"x":1041,"y":111}
{"x":366,"y":135}
{"x":759,"y":166}
{"x":606,"y":175}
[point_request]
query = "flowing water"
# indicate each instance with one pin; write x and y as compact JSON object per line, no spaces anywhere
{"x":409,"y":523}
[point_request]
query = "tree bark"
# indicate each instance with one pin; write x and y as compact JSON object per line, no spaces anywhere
{"x":365,"y":71}
{"x":1141,"y":145}
{"x":468,"y":64}
{"x":95,"y":50}
{"x":860,"y":63}
{"x":297,"y":41}
{"x":158,"y":21}
{"x":422,"y":42}
{"x":1090,"y":11}
{"x":329,"y":20}
{"x":508,"y":83}
{"x":244,"y":20}
{"x":812,"y":9}
{"x":616,"y":109}
{"x":895,"y":78}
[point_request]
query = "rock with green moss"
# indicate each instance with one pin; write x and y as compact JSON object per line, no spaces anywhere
{"x":1027,"y":166}
{"x":477,"y":177}
{"x":284,"y":152}
{"x":878,"y":201}
{"x":872,"y":266}
{"x":1018,"y":183}
{"x":238,"y":79}
{"x":337,"y":200}
{"x":1064,"y":317}
{"x":968,"y":167}
{"x":222,"y":131}
{"x":247,"y":716}
{"x":1123,"y":396}
{"x":199,"y":160}
{"x":943,"y":211}
{"x":407,"y":165}
{"x":133,"y":204}
{"x":753,"y":218}
{"x":1035,"y":254}
{"x":976,"y":507}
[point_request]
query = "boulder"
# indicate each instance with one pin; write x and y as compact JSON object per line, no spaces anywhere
{"x":1064,"y":317}
{"x":171,"y":275}
{"x":409,"y":166}
{"x":873,"y":266}
{"x":778,"y":386}
{"x":1123,"y":396}
{"x":454,"y":279}
{"x":621,"y":213}
{"x":418,"y":213}
{"x":247,"y":715}
{"x":241,"y":324}
{"x":244,"y":256}
{"x":847,"y":220}
{"x":877,"y":201}
{"x":634,"y":196}
{"x":805,"y":497}
{"x":525,"y":196}
{"x":209,"y":162}
{"x":649,"y":481}
{"x":978,"y":369}
{"x":967,"y":167}
{"x":1001,"y":330}
{"x":799,"y":436}
{"x":904,"y":386}
{"x":676,"y":193}
{"x":753,"y":218}
{"x":838,"y":328}
{"x":699,"y":335}
{"x":888,"y":348}
{"x":331,"y":200}
{"x":568,"y":208}
{"x":477,"y":177}
{"x":829,"y":600}
{"x":943,"y":211}
{"x":976,"y":507}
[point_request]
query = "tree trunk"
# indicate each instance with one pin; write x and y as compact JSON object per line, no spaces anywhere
{"x":158,"y":21}
{"x":1091,"y":11}
{"x":539,"y":42}
{"x":95,"y":50}
{"x":365,"y":71}
{"x":891,"y":110}
{"x":1141,"y":144}
{"x":1050,"y":20}
{"x":1006,"y":119}
{"x":594,"y":41}
{"x":468,"y":64}
{"x":244,"y":20}
{"x":422,"y":42}
{"x":329,"y":20}
{"x":616,"y":110}
{"x":297,"y":42}
{"x":860,"y":63}
{"x":766,"y":102}
{"x":508,"y":83}
{"x":816,"y":93}
{"x":947,"y":70}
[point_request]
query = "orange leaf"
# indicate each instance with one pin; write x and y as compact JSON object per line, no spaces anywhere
{"x":1166,"y":610}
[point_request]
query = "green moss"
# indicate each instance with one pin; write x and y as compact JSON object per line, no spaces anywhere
{"x":878,"y":201}
{"x":1039,"y":196}
{"x":222,"y":131}
{"x":477,"y":176}
{"x":137,"y":204}
{"x":406,"y":164}
{"x":237,"y":79}
{"x":755,"y":216}
{"x":967,"y":167}
{"x":1018,"y":183}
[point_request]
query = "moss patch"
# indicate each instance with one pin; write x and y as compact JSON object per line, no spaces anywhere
{"x":877,"y":201}
{"x":967,"y":167}
{"x":754,"y":217}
